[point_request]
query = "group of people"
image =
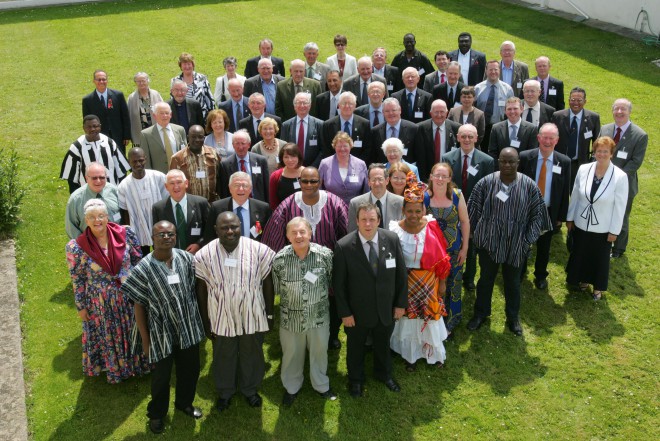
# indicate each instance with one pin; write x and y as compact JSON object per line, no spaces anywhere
{"x":358,"y":197}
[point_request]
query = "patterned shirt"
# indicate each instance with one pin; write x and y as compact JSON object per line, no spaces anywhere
{"x":303,"y":287}
{"x":199,"y":169}
{"x":82,"y":152}
{"x":200,"y":91}
{"x":169,"y":297}
{"x":137,"y":196}
{"x":74,"y":218}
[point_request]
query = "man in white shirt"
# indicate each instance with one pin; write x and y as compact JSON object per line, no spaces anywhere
{"x":535,"y":111}
{"x":514,"y":132}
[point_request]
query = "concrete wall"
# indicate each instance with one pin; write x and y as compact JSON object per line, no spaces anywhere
{"x":620,"y":12}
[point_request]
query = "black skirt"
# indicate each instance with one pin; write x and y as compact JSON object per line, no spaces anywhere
{"x":589,"y":261}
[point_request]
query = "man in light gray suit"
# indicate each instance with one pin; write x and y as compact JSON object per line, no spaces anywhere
{"x":311,"y":143}
{"x":162,"y":140}
{"x":390,"y":204}
{"x":631,"y":142}
{"x":314,"y":69}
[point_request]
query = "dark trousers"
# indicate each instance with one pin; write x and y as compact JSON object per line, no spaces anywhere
{"x":470,"y":263}
{"x":335,"y":321}
{"x":621,"y":242}
{"x":542,"y":255}
{"x":187,"y":374}
{"x":238,"y":360}
{"x":356,"y":337}
{"x":511,"y":276}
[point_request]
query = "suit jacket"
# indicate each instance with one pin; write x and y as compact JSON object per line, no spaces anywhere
{"x":520,"y":75}
{"x":407,"y":134}
{"x":323,"y":106}
{"x":556,"y":100}
{"x":560,"y":187}
{"x":441,"y":92}
{"x":320,"y":73}
{"x":252,"y":65}
{"x":196,"y":216}
{"x":393,"y":79}
{"x":229,"y":166}
{"x":370,"y":298}
{"x":115,"y":122}
{"x":247,"y":123}
{"x":425,"y":145}
{"x":153,"y":147}
{"x":228,"y":107}
{"x":545,"y":113}
{"x":422,"y":104}
{"x":633,"y":142}
{"x":499,"y":137}
{"x":483,"y":163}
{"x":253,"y":84}
{"x":361,"y":132}
{"x":431,"y":80}
{"x":477,"y":66}
{"x":590,"y":122}
{"x":259,"y":211}
{"x":350,"y":66}
{"x":354,"y":84}
{"x":134,"y":113}
{"x":194,"y":111}
{"x":476,"y":118}
{"x":393,"y":209}
{"x":313,"y":152}
{"x":286,"y":93}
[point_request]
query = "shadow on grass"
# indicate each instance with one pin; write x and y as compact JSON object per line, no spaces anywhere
{"x":596,"y":318}
{"x":623,"y":280}
{"x":64,"y":296}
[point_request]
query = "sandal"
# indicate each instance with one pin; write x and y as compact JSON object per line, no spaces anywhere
{"x":410,"y":367}
{"x":583,"y":286}
{"x":597,"y":295}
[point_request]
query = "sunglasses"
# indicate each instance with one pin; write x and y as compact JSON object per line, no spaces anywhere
{"x":309,"y":181}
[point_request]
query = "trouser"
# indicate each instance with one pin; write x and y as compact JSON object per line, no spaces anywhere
{"x":238,"y":360}
{"x":294,"y":347}
{"x":621,"y":242}
{"x":542,"y":255}
{"x":356,"y":337}
{"x":335,"y":321}
{"x":511,"y":276}
{"x":470,"y":263}
{"x":187,"y":374}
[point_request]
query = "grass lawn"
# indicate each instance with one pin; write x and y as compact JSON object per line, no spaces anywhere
{"x":584,"y":370}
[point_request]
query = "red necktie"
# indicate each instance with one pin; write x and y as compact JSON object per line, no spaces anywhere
{"x":301,"y":138}
{"x":436,"y":140}
{"x":465,"y":172}
{"x":617,"y":135}
{"x":243,"y":169}
{"x":442,"y":79}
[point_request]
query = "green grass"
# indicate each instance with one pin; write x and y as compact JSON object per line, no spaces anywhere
{"x":582,"y":371}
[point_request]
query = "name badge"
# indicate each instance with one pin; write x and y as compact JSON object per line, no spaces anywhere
{"x":501,"y":103}
{"x":253,"y":231}
{"x":313,"y":142}
{"x":502,"y":196}
{"x":622,"y":155}
{"x":419,"y":114}
{"x":552,"y":92}
{"x":390,"y":87}
{"x":200,"y":174}
{"x":256,"y":170}
{"x":588,"y":135}
{"x":173,"y":279}
{"x":518,"y":84}
{"x":515,"y":143}
{"x":230,"y":262}
{"x":195,"y":231}
{"x":296,"y":185}
{"x":357,"y":144}
{"x":421,"y":71}
{"x":472,"y":171}
{"x":277,"y":159}
{"x":390,"y":263}
{"x":405,"y":152}
{"x":556,"y":169}
{"x":353,"y":179}
{"x":311,"y":277}
{"x":317,"y":76}
{"x":116,"y":217}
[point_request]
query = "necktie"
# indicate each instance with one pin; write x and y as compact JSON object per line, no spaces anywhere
{"x":364,"y":99}
{"x":301,"y":138}
{"x":393,"y":132}
{"x":442,"y":78}
{"x":168,"y":146}
{"x":333,"y":106}
{"x":180,"y":227}
{"x":529,"y":115}
{"x":373,"y":257}
{"x":542,"y":97}
{"x":102,"y":101}
{"x":243,"y":169}
{"x":237,"y":118}
{"x":571,"y":151}
{"x":310,"y":72}
{"x":376,"y":120}
{"x":256,"y":131}
{"x":542,"y":174}
{"x":382,"y":216}
{"x":298,"y":88}
{"x":514,"y":133}
{"x":436,"y":141}
{"x":450,"y":98}
{"x":464,"y":174}
{"x":347,"y":128}
{"x":410,"y":105}
{"x":239,"y":213}
{"x":617,"y":135}
{"x":490,"y":104}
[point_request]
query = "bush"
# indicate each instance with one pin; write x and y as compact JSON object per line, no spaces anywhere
{"x":11,"y":193}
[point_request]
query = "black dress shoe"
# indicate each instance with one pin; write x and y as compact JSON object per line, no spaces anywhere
{"x":541,"y":283}
{"x":515,"y":327}
{"x":355,"y":389}
{"x":254,"y":400}
{"x":222,"y":404}
{"x":475,"y":322}
{"x":334,"y":344}
{"x":328,"y":395}
{"x":193,"y":412}
{"x":469,"y":284}
{"x":288,"y":399}
{"x":392,"y":385}
{"x":615,"y":254}
{"x":156,"y":425}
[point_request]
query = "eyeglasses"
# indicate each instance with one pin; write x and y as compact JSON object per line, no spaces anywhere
{"x":467,"y":136}
{"x":97,"y":178}
{"x":377,"y":180}
{"x":309,"y":181}
{"x":100,"y":217}
{"x":165,"y":235}
{"x":241,"y":186}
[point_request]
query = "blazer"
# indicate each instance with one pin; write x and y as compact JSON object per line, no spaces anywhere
{"x":320,"y":73}
{"x":252,"y":66}
{"x":556,"y":100}
{"x":154,"y":149}
{"x":361,"y":132}
{"x":605,"y":214}
{"x":345,"y":189}
{"x":407,"y":134}
{"x":354,"y":85}
{"x":134,"y":113}
{"x":393,"y":79}
{"x":259,"y":211}
{"x":259,"y":180}
{"x":115,"y":122}
{"x":590,"y":122}
{"x":196,"y":216}
{"x":520,"y":75}
{"x":499,"y":137}
{"x":425,"y":145}
{"x":323,"y":106}
{"x":247,"y":123}
{"x":194,"y":111}
{"x":370,"y":298}
{"x":253,"y":84}
{"x":633,"y":143}
{"x":483,"y":163}
{"x":286,"y":93}
{"x":432,"y":80}
{"x":545,"y":113}
{"x":313,"y":142}
{"x":477,"y":66}
{"x":393,"y":209}
{"x":560,"y":186}
{"x":350,"y":66}
{"x":228,"y":107}
{"x":422,"y":103}
{"x":476,"y":117}
{"x":441,"y":92}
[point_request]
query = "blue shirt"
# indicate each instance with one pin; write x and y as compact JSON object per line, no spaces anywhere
{"x":269,"y":93}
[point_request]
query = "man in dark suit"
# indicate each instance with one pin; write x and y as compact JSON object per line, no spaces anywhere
{"x":358,"y":84}
{"x":473,"y":63}
{"x":188,"y":212}
{"x":265,"y":49}
{"x":391,"y":74}
{"x":411,"y":57}
{"x":310,"y":143}
{"x":468,"y":166}
{"x":327,"y":102}
{"x":552,"y":89}
{"x":438,"y":77}
{"x":415,"y":103}
{"x":552,"y":173}
{"x":535,"y":111}
{"x":450,"y":90}
{"x":313,"y":68}
{"x":514,"y":132}
{"x":370,"y":284}
{"x":242,"y":160}
{"x":435,"y":137}
{"x":240,"y":202}
{"x":110,"y":106}
{"x":265,"y":83}
{"x":512,"y":72}
{"x":236,"y":107}
{"x":186,"y":112}
{"x":578,"y":128}
{"x":354,"y":125}
{"x":296,"y":83}
{"x":373,"y":111}
{"x":257,"y":105}
{"x":394,"y":127}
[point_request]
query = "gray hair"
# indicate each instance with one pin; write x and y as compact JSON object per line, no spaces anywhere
{"x":95,"y":205}
{"x":242,"y":132}
{"x":347,"y":96}
{"x":623,"y":101}
{"x":95,"y":164}
{"x":392,"y":142}
{"x":299,"y":220}
{"x":303,"y":95}
{"x":511,"y":43}
{"x":392,"y":101}
{"x":141,"y":74}
{"x":230,"y":60}
{"x":240,"y":175}
{"x":454,"y":63}
{"x":175,"y":172}
{"x":310,"y":45}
